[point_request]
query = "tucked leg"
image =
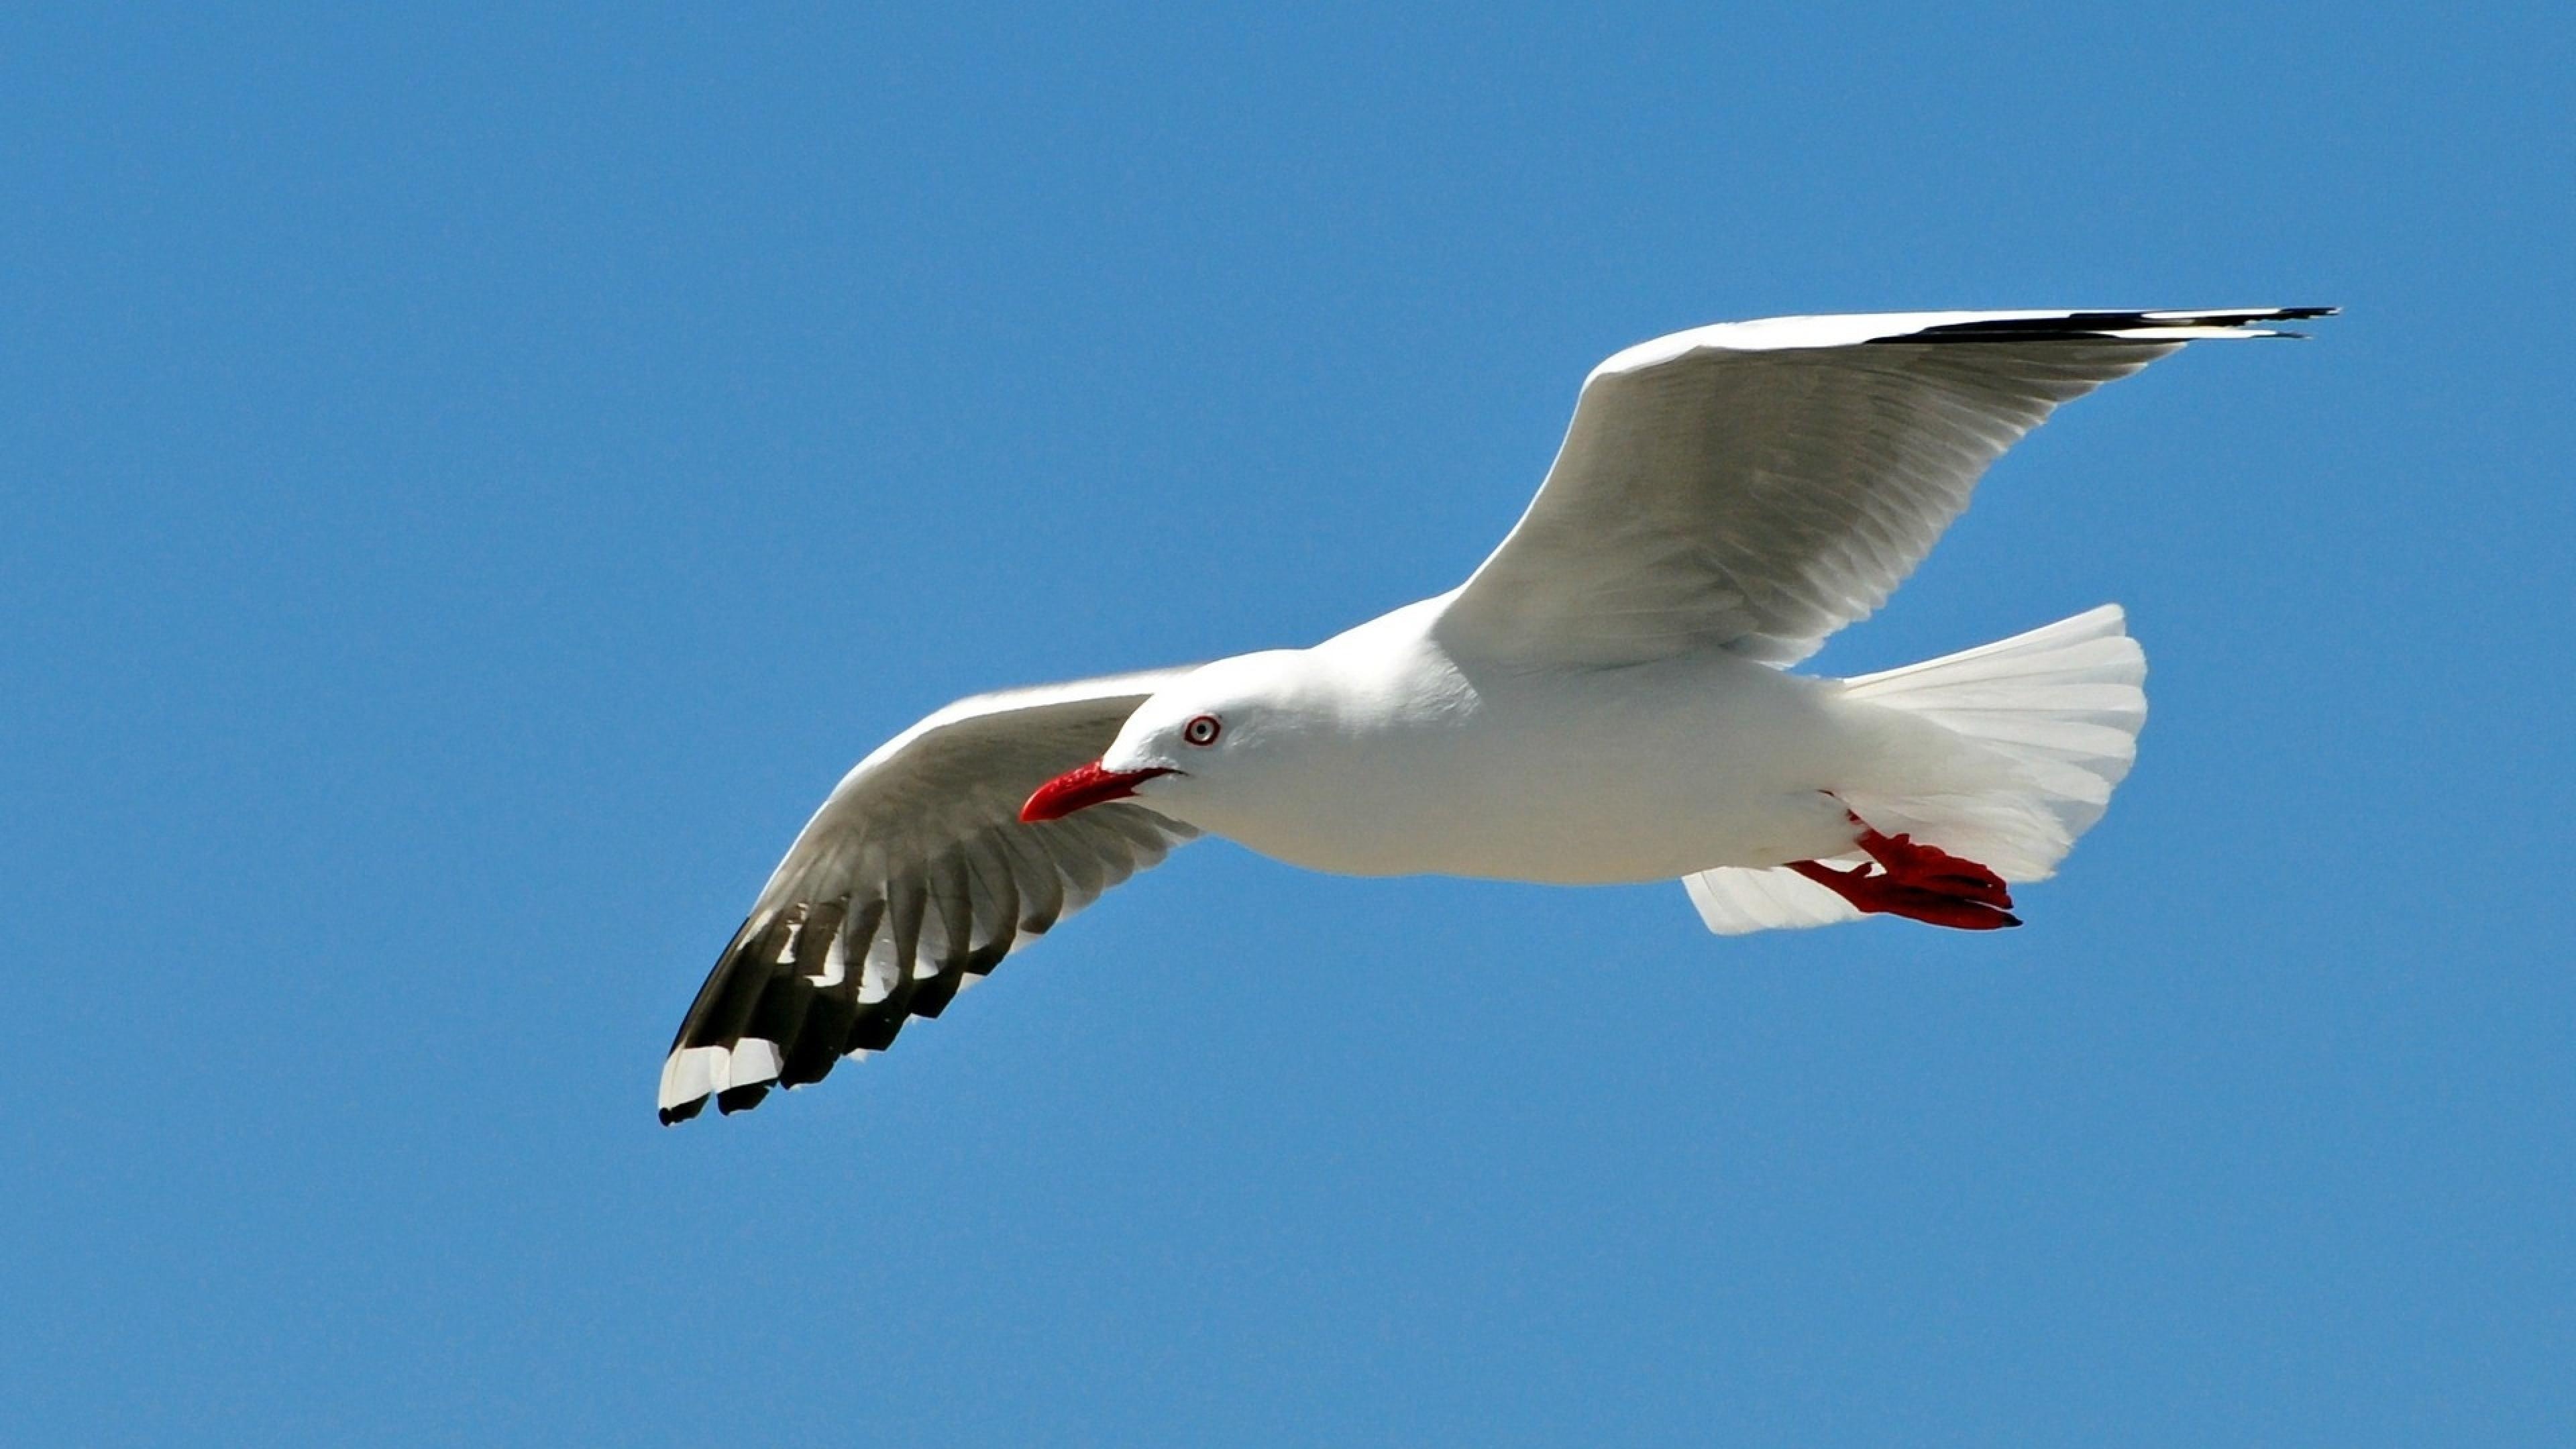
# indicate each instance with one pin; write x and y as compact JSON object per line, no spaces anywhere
{"x":1918,"y":882}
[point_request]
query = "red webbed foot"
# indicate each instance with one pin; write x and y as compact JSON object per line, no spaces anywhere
{"x":1918,"y":882}
{"x":1934,"y":869}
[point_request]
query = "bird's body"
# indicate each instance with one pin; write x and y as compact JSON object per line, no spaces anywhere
{"x":1413,"y":759}
{"x":1604,"y":700}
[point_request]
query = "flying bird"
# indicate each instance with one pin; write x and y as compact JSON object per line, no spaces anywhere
{"x":1606,"y":699}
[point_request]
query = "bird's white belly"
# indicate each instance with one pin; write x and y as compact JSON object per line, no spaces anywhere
{"x":1638,"y":774}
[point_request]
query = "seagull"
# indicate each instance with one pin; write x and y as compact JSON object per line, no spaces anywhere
{"x":1606,"y":699}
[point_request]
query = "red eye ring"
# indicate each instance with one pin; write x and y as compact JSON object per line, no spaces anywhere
{"x":1203,"y":730}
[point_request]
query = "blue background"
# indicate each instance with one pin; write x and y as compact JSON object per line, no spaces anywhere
{"x":474,"y":480}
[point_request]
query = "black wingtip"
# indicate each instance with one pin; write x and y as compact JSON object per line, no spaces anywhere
{"x":740,"y":1099}
{"x":674,"y":1116}
{"x":2105,"y":326}
{"x":876,"y":1030}
{"x":2299,"y":314}
{"x":932,"y":996}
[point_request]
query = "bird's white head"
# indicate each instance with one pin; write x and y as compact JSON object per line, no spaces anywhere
{"x":1205,"y":737}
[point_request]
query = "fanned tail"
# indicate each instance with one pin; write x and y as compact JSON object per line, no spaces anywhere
{"x":2058,"y":709}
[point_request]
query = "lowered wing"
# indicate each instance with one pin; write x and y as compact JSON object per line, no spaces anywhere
{"x":915,"y":878}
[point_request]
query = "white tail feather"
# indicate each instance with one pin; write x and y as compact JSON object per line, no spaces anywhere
{"x":1737,"y":902}
{"x":2059,"y":708}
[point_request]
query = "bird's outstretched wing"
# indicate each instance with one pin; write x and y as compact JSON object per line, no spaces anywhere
{"x":915,"y":878}
{"x":1755,"y":486}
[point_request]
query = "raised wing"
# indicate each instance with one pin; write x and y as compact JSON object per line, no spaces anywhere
{"x":1755,"y":486}
{"x":915,"y":879}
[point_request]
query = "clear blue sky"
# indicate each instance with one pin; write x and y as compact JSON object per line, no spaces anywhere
{"x":475,"y":479}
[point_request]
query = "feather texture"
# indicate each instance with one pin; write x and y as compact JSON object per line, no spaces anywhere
{"x":1755,"y":486}
{"x":915,"y":877}
{"x":2056,"y":710}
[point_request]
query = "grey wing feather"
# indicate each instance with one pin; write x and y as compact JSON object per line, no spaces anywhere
{"x":1756,"y":486}
{"x":914,"y":879}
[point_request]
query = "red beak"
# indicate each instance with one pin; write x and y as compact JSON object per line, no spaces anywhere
{"x":1083,"y":787}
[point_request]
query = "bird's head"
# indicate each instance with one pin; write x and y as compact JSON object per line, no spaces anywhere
{"x":1195,"y":740}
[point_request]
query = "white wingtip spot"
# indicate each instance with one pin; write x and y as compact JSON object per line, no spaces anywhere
{"x":754,"y":1061}
{"x":690,"y":1073}
{"x":880,"y":976}
{"x":836,"y":963}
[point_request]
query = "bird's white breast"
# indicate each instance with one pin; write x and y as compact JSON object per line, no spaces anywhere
{"x":1415,"y":761}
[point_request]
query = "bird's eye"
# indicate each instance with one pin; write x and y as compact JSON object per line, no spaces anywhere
{"x":1203,"y":730}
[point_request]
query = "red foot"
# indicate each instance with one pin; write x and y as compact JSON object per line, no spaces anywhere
{"x":1918,"y":882}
